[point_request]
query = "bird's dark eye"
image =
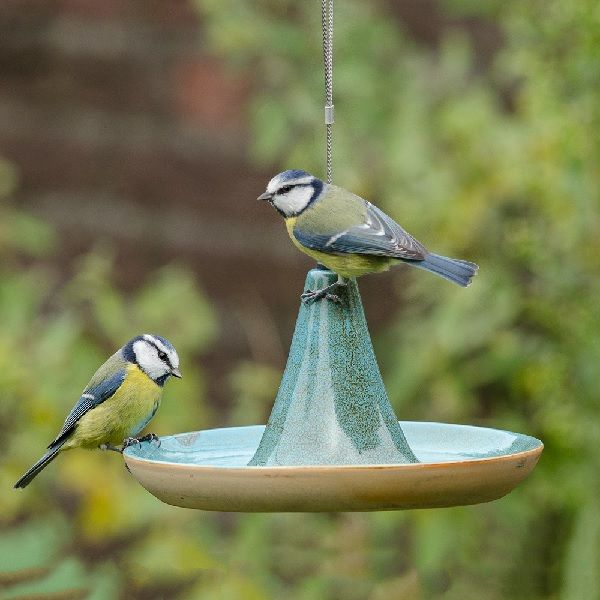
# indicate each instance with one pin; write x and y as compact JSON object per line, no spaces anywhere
{"x":162,"y":355}
{"x":285,"y":189}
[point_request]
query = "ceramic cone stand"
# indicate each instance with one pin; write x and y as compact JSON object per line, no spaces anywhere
{"x":332,"y":407}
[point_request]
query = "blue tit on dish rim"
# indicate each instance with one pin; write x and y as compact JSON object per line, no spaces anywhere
{"x":118,"y":402}
{"x":349,"y":235}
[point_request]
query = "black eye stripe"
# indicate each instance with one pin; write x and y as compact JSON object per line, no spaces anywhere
{"x":165,"y":358}
{"x":285,"y":189}
{"x":162,"y":355}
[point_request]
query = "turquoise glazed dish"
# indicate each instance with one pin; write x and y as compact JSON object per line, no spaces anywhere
{"x":458,"y":464}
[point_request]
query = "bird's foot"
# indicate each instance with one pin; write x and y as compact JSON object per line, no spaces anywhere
{"x":310,"y":296}
{"x":150,"y":437}
{"x":109,"y":447}
{"x":130,"y":441}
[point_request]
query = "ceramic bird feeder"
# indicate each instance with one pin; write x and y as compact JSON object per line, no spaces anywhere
{"x":333,"y":442}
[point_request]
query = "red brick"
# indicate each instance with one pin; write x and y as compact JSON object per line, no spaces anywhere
{"x":166,"y":12}
{"x":204,"y":93}
{"x":94,"y":9}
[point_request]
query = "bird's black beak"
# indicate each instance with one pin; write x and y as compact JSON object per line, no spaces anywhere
{"x":176,"y":373}
{"x":265,"y":196}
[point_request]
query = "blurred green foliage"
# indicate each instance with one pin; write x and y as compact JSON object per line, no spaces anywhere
{"x":500,"y":167}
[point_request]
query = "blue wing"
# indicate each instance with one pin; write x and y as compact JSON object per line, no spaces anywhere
{"x":93,"y":395}
{"x":378,"y":235}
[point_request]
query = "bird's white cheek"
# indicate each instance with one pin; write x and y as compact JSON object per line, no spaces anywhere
{"x":154,"y":370}
{"x":148,"y":360}
{"x":295,"y":200}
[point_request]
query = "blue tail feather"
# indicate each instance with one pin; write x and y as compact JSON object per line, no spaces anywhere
{"x":458,"y":271}
{"x":42,"y":463}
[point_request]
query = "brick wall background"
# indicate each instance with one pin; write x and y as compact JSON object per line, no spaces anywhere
{"x":123,"y":127}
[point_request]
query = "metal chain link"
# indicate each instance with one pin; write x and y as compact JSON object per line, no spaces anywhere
{"x":327,"y":19}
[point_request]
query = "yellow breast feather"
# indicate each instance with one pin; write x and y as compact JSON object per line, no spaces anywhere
{"x":122,"y":415}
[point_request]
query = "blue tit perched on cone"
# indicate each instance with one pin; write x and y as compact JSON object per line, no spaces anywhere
{"x":118,"y":402}
{"x":348,"y":234}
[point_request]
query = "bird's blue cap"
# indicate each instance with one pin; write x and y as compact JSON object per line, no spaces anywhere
{"x":293,"y":174}
{"x":165,"y":341}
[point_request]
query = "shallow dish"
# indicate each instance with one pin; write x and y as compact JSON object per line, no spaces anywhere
{"x":460,"y":464}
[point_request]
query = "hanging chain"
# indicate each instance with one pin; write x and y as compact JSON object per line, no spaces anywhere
{"x":327,"y":17}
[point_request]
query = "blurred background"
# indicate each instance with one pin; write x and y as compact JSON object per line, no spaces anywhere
{"x":134,"y":138}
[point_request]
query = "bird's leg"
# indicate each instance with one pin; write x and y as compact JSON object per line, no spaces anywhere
{"x":109,"y":447}
{"x":310,"y":296}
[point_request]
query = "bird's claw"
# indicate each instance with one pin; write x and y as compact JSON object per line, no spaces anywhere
{"x":308,"y":297}
{"x":151,"y":437}
{"x":130,"y":441}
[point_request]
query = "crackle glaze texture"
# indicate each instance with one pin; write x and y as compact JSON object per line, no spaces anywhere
{"x":332,"y":407}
